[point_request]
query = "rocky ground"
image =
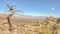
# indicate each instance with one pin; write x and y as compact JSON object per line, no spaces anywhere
{"x":25,"y":29}
{"x":19,"y":28}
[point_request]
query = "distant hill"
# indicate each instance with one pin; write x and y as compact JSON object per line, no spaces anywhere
{"x":21,"y":19}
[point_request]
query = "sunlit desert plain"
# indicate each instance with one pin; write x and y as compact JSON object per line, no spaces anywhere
{"x":30,"y":25}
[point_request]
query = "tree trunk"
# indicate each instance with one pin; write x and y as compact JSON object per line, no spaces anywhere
{"x":10,"y":25}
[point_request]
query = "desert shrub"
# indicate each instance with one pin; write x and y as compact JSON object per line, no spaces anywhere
{"x":27,"y":33}
{"x":54,"y":28}
{"x":36,"y":24}
{"x":22,"y":25}
{"x":58,"y":20}
{"x":46,"y":29}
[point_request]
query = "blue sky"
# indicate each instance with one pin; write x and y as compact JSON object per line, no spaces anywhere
{"x":34,"y":7}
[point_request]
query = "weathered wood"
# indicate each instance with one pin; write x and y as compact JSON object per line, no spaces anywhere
{"x":8,"y":19}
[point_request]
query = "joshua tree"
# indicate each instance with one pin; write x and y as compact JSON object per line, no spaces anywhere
{"x":9,"y":16}
{"x":11,"y":9}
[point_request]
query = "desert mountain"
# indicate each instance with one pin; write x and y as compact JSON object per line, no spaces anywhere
{"x":21,"y":19}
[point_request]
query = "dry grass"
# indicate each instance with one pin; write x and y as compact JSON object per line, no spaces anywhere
{"x":26,"y":29}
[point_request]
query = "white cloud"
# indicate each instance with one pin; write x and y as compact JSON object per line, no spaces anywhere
{"x":52,"y":8}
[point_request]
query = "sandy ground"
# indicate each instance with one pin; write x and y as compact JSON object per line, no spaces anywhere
{"x":23,"y":29}
{"x":17,"y":29}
